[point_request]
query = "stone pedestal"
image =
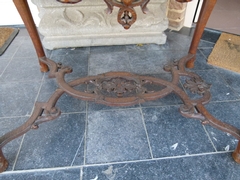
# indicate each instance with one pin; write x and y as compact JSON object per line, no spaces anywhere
{"x":87,"y":24}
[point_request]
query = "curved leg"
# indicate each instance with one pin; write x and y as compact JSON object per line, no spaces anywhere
{"x":25,"y":13}
{"x":50,"y":113}
{"x":236,"y":153}
{"x":3,"y":162}
{"x":206,"y":10}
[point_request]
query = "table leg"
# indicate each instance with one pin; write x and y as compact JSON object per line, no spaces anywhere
{"x":206,"y":10}
{"x":25,"y":13}
{"x":236,"y":153}
{"x":3,"y":162}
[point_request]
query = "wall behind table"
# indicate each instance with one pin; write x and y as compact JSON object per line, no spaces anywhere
{"x":9,"y":14}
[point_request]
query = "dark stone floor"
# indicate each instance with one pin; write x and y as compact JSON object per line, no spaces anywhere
{"x":95,"y":142}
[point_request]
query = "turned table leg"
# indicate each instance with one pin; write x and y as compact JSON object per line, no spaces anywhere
{"x":25,"y":13}
{"x":206,"y":10}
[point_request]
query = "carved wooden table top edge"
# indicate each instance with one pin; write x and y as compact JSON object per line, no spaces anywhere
{"x":121,"y":88}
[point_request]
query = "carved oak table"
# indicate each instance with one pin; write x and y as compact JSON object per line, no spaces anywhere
{"x":121,"y":88}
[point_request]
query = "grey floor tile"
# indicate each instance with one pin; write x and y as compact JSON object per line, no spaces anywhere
{"x":12,"y":49}
{"x":170,"y":134}
{"x":232,"y":79}
{"x":78,"y":62}
{"x":225,"y":112}
{"x":64,"y":174}
{"x":116,"y":61}
{"x":152,"y":62}
{"x":26,"y":50}
{"x":11,"y":149}
{"x":107,"y":49}
{"x":70,"y":51}
{"x":55,"y":144}
{"x":117,"y":135}
{"x":3,"y":64}
{"x":209,"y":167}
{"x":206,"y":52}
{"x":176,"y":41}
{"x":220,"y":90}
{"x":17,"y":99}
{"x":211,"y":35}
{"x":23,"y":69}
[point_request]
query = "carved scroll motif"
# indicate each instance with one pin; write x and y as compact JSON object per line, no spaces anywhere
{"x":126,"y":14}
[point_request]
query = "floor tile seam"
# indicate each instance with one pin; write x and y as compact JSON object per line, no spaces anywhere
{"x":38,"y":93}
{"x":145,"y":128}
{"x":210,"y":139}
{"x":204,"y":48}
{"x":19,"y":81}
{"x":88,"y":61}
{"x":160,"y":158}
{"x":115,"y":109}
{"x":80,"y":144}
{"x":41,"y":170}
{"x":52,"y":57}
{"x":19,"y":149}
{"x":85,"y":136}
{"x":70,"y":113}
{"x":204,"y":40}
{"x":11,"y":58}
{"x":161,"y":106}
{"x":112,"y":163}
{"x":224,"y":101}
{"x":81,"y":173}
{"x":205,"y":57}
{"x":11,"y":117}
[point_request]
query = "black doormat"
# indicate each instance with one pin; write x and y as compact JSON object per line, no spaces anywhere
{"x":7,"y":34}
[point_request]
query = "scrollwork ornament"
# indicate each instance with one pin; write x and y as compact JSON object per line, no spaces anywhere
{"x":196,"y":85}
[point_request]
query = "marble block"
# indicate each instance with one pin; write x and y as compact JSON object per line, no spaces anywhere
{"x":87,"y":24}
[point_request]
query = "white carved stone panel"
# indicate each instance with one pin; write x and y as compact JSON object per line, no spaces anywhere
{"x":87,"y":24}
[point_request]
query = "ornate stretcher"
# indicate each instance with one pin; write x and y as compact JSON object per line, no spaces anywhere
{"x":121,"y":88}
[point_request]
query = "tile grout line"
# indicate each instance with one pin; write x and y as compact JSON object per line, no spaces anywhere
{"x":77,"y":151}
{"x":38,"y":93}
{"x":110,"y":163}
{"x":19,"y":149}
{"x":85,"y":135}
{"x":210,"y":139}
{"x":145,"y":128}
{"x":11,"y":58}
{"x":81,"y":173}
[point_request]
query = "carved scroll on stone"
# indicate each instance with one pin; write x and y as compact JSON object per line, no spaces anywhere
{"x":87,"y":24}
{"x":126,"y":14}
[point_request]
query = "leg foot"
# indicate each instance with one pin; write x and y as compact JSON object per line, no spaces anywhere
{"x":190,"y":63}
{"x":236,"y":154}
{"x":43,"y":67}
{"x":3,"y":162}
